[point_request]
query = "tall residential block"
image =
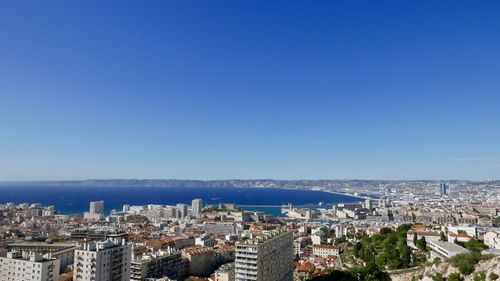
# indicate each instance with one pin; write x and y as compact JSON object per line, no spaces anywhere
{"x":443,"y":189}
{"x":96,"y":207}
{"x":96,"y":211}
{"x":263,"y":257}
{"x":196,"y":207}
{"x":103,"y":261}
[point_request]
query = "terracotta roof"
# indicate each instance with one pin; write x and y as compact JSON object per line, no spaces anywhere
{"x":304,"y":267}
{"x":463,"y":235}
{"x":325,"y":246}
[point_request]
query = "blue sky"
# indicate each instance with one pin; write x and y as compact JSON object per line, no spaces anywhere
{"x":249,"y":89}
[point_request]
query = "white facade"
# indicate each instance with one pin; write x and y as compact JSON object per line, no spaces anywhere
{"x":325,"y":250}
{"x":445,"y":250}
{"x":36,"y":268}
{"x":269,"y":256}
{"x":103,"y":261}
{"x":96,"y":211}
{"x":182,"y":210}
{"x":196,"y":207}
{"x":96,"y":207}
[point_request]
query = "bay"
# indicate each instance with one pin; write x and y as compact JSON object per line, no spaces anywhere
{"x":75,"y":199}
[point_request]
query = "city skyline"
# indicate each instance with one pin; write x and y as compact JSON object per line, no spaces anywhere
{"x":220,"y":90}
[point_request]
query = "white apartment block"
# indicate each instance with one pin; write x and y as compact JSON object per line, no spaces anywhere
{"x":196,"y":208}
{"x":96,"y":211}
{"x":103,"y":261}
{"x":325,"y":250}
{"x":267,"y":256}
{"x":16,"y":268}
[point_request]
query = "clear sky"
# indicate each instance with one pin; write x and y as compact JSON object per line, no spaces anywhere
{"x":249,"y":89}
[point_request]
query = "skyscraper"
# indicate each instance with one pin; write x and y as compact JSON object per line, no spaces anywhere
{"x":96,"y":211}
{"x":443,"y":189}
{"x":182,"y":210}
{"x":267,"y":256}
{"x":96,"y":207}
{"x":196,"y":207}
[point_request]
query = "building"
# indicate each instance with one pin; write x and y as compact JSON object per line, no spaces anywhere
{"x":158,"y":265}
{"x":443,"y":189}
{"x":181,"y":210}
{"x":96,"y":211}
{"x":459,"y":237}
{"x":96,"y":207}
{"x":445,"y":250}
{"x":103,"y":261}
{"x":14,"y":267}
{"x":325,"y":250}
{"x":428,"y":234}
{"x":98,"y":233}
{"x":368,"y":204}
{"x":201,"y":260}
{"x":204,"y":240}
{"x":224,"y":273}
{"x":266,"y":256}
{"x":196,"y":207}
{"x":221,"y":227}
{"x":64,"y":252}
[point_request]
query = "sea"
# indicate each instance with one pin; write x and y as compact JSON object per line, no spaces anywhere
{"x":75,"y":199}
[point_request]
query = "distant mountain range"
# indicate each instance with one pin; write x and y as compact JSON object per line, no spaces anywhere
{"x":257,"y":183}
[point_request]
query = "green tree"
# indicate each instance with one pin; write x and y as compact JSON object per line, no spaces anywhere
{"x":422,"y":244}
{"x":493,"y":276}
{"x":455,"y":277}
{"x":405,"y":256}
{"x":385,"y":230}
{"x":403,"y":229}
{"x":357,"y":248}
{"x":475,"y":245}
{"x":443,"y":237}
{"x":480,"y":276}
{"x":438,"y":277}
{"x":465,"y":263}
{"x":297,"y":257}
{"x":366,"y":253}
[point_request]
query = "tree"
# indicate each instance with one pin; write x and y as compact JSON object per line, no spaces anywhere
{"x":480,"y":276}
{"x":493,"y":276}
{"x":357,"y":247}
{"x":366,"y":253}
{"x":465,"y":263}
{"x":297,"y":257}
{"x":415,"y":238}
{"x":475,"y":245}
{"x":405,"y":256}
{"x":438,"y":277}
{"x":422,"y":244}
{"x":385,"y":230}
{"x":443,"y":237}
{"x":455,"y":277}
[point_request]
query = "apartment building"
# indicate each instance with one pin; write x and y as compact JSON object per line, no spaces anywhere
{"x":266,"y":256}
{"x":14,"y":267}
{"x":103,"y":261}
